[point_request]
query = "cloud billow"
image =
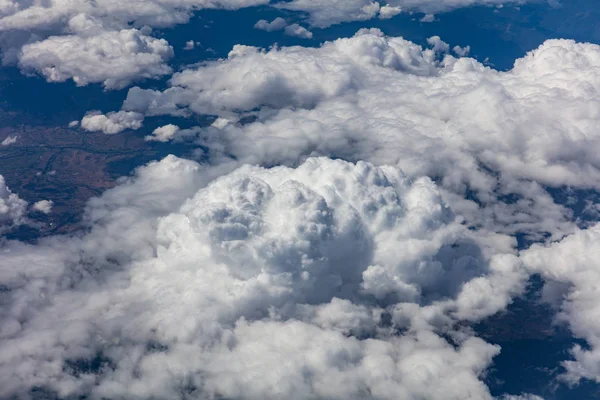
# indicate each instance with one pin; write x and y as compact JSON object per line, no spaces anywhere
{"x":496,"y":135}
{"x":189,"y":284}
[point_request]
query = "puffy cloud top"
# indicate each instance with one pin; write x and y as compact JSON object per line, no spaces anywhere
{"x":258,"y":268}
{"x":12,"y":208}
{"x":111,"y":123}
{"x":113,"y":58}
{"x":93,"y":42}
{"x":570,"y":268}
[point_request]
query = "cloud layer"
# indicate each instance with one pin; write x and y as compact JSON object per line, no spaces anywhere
{"x":493,"y":140}
{"x":258,"y":268}
{"x":113,"y":39}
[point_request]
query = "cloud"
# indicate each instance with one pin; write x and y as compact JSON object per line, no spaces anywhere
{"x":111,"y":123}
{"x":163,"y":133}
{"x":276,"y":25}
{"x":298,"y":31}
{"x":323,"y":13}
{"x":493,"y":140}
{"x":291,"y":76}
{"x":526,"y":396}
{"x":570,"y":265}
{"x":43,"y":206}
{"x":199,"y":281}
{"x":12,"y":208}
{"x":438,"y":44}
{"x":190,"y":45}
{"x":9,"y":140}
{"x":95,"y":42}
{"x":110,"y":42}
{"x":387,"y":11}
{"x":113,"y":58}
{"x":461,"y":51}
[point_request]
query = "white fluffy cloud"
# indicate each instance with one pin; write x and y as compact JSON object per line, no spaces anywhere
{"x":12,"y":208}
{"x":94,"y":41}
{"x":323,"y":13}
{"x":298,"y":31}
{"x":233,"y":287}
{"x":387,"y":11}
{"x":276,"y":25}
{"x":43,"y":206}
{"x":494,"y":140}
{"x":291,"y":76}
{"x":9,"y":140}
{"x":113,"y":58}
{"x":163,"y":133}
{"x":113,"y":122}
{"x":100,"y":41}
{"x":570,"y":268}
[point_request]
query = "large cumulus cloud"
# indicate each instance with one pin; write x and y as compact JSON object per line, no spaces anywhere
{"x":494,"y":140}
{"x":328,"y":280}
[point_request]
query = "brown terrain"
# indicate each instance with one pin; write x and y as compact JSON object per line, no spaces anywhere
{"x":67,"y":166}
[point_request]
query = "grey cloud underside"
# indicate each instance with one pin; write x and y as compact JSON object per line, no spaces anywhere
{"x":257,"y":284}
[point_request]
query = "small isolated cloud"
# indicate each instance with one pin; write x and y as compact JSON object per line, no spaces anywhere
{"x":113,"y":58}
{"x":276,"y":25}
{"x":326,"y":13}
{"x":113,"y":122}
{"x":12,"y":208}
{"x":73,"y":124}
{"x":439,"y":46}
{"x":9,"y":140}
{"x":387,"y":11}
{"x":43,"y":206}
{"x":190,"y":45}
{"x":461,"y":51}
{"x":428,"y":18}
{"x":163,"y":134}
{"x":298,"y":31}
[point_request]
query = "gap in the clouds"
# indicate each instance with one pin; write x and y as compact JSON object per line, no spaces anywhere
{"x":83,"y":366}
{"x":583,"y":203}
{"x":533,"y":347}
